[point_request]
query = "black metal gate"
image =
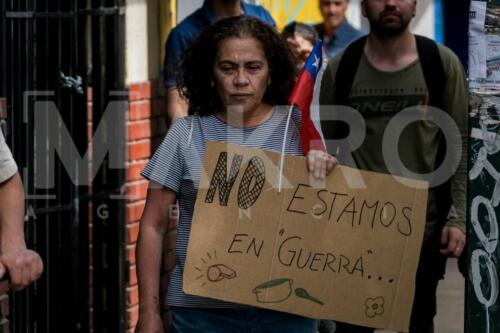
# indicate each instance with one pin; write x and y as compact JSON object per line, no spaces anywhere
{"x":54,"y":50}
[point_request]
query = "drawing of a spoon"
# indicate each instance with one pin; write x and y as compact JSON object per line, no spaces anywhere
{"x":302,"y":293}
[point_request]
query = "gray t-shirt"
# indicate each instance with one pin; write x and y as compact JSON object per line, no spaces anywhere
{"x":177,"y":164}
{"x":380,"y":96}
{"x":8,"y":167}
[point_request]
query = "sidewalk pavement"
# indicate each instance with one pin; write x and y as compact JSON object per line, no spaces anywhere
{"x":450,"y":305}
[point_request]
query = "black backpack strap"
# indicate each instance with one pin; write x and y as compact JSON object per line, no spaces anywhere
{"x":435,"y":80}
{"x":347,"y":69}
{"x":432,"y":68}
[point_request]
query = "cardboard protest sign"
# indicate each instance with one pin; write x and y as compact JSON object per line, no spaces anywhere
{"x":325,"y":250}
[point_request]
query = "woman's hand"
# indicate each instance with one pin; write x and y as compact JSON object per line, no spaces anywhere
{"x":320,"y":164}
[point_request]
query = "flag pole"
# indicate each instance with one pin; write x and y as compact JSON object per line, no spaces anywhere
{"x":301,"y":97}
{"x":282,"y":158}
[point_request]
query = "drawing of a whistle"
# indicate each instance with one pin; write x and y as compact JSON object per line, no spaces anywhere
{"x":217,"y":272}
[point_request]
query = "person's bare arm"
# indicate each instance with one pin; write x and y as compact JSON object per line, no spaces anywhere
{"x":177,"y":105}
{"x":24,"y":265}
{"x":154,"y":221}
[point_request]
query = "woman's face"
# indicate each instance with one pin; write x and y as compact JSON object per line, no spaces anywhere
{"x":241,"y":73}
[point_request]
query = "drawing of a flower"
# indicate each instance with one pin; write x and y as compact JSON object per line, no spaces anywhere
{"x":374,"y":307}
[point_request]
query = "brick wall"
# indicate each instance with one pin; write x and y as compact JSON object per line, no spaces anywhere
{"x":146,"y":127}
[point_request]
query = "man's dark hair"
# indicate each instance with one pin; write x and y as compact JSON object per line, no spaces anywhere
{"x":196,"y":72}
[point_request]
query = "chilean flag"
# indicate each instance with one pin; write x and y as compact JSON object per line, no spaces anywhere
{"x":302,"y":97}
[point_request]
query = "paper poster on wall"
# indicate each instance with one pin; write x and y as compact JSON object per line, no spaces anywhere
{"x":492,"y":78}
{"x":323,"y":250}
{"x":477,"y":43}
{"x":484,"y":46}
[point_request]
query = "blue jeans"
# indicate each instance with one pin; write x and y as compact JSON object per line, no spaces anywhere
{"x":251,"y":320}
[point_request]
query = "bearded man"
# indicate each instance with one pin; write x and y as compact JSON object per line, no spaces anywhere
{"x":393,"y":77}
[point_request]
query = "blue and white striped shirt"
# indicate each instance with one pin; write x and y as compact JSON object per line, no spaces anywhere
{"x":177,"y":164}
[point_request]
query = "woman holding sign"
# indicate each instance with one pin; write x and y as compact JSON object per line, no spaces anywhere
{"x":235,"y":75}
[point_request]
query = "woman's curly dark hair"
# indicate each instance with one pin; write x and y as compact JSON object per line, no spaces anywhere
{"x":196,"y":72}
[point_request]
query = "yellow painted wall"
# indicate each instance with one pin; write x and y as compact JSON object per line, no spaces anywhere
{"x":168,"y":18}
{"x":285,"y":11}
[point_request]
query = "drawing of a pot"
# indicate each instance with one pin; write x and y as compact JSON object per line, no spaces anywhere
{"x":274,"y":291}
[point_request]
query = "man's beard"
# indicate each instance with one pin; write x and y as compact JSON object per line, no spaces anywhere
{"x":389,"y":29}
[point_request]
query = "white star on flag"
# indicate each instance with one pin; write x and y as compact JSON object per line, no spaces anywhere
{"x":316,"y":62}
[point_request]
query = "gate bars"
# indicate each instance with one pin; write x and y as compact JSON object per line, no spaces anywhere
{"x":54,"y":50}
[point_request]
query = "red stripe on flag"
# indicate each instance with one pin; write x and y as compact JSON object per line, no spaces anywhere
{"x":302,"y":93}
{"x":301,"y":97}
